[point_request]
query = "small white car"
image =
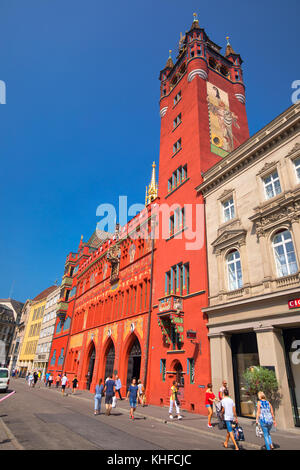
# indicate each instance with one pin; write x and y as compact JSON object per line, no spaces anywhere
{"x":4,"y":379}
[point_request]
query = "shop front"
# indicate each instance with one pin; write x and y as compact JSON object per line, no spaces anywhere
{"x":244,"y":355}
{"x":292,"y":351}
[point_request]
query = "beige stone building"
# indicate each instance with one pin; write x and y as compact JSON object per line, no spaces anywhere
{"x":252,"y":200}
{"x":46,"y":332}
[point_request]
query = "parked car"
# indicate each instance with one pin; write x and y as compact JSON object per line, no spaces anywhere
{"x":4,"y":379}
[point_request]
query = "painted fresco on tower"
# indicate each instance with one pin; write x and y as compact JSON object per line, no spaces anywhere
{"x":221,"y":120}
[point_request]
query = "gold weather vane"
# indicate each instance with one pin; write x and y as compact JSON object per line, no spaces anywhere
{"x":152,"y":190}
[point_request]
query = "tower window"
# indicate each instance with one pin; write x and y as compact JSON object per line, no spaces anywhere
{"x":212,"y":62}
{"x":177,"y":98}
{"x":224,"y":71}
{"x":177,"y":146}
{"x":177,"y":121}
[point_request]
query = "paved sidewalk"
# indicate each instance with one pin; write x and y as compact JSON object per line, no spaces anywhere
{"x":284,"y":440}
{"x":194,"y":423}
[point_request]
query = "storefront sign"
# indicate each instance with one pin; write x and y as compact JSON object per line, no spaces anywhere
{"x":294,"y":303}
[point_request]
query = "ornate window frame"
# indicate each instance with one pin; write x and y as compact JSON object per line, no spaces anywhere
{"x":270,"y":237}
{"x":268,"y":169}
{"x":226,"y":242}
{"x":224,"y":197}
{"x":292,"y":156}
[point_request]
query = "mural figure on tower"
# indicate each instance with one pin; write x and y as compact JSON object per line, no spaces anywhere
{"x":221,"y":120}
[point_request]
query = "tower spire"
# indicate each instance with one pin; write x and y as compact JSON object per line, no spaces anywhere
{"x":170,"y":61}
{"x":195,"y":22}
{"x":152,"y":190}
{"x":229,"y":49}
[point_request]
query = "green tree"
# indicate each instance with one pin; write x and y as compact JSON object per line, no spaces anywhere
{"x":260,"y":379}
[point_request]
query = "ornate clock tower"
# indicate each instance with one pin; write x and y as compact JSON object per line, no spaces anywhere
{"x":203,"y":118}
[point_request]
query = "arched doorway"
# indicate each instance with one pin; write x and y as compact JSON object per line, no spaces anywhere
{"x":179,"y":374}
{"x":134,"y":362}
{"x":110,"y":360}
{"x":89,"y":375}
{"x":179,"y":379}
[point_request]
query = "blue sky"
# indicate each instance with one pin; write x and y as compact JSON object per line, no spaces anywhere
{"x":81,"y":123}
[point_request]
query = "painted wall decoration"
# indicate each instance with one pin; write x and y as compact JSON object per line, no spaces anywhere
{"x":221,"y":120}
{"x":110,"y":331}
{"x":132,"y":251}
{"x":131,"y":325}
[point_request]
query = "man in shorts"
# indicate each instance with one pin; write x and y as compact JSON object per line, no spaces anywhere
{"x":64,"y":382}
{"x":109,"y":390}
{"x":228,"y":409}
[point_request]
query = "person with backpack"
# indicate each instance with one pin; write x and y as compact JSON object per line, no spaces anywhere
{"x":265,"y":417}
{"x":228,"y":410}
{"x":74,"y":384}
{"x":109,"y":389}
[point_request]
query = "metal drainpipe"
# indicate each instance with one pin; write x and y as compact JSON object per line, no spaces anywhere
{"x":149,"y":316}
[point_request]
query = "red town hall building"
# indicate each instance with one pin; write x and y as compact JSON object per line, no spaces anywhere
{"x":133,"y":304}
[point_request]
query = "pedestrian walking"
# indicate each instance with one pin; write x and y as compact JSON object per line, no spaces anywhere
{"x":228,"y":410}
{"x":64,"y":382}
{"x":57,"y":380}
{"x":30,"y":380}
{"x":221,"y":391}
{"x":174,"y":401}
{"x":50,"y":380}
{"x":46,"y":379}
{"x":35,"y":378}
{"x":109,"y":391}
{"x":209,"y":400}
{"x":74,"y":384}
{"x":118,"y":386}
{"x":265,"y":417}
{"x":99,"y":392}
{"x":141,"y":393}
{"x":132,"y":395}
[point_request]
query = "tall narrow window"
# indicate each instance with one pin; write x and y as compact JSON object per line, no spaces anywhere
{"x":177,"y":121}
{"x":186,"y":277}
{"x":297,"y":168}
{"x":168,"y":282}
{"x":163,"y":369}
{"x":177,"y":146}
{"x":285,"y":257}
{"x":228,"y":209}
{"x":234,"y":270}
{"x":177,"y":98}
{"x":61,"y":357}
{"x":191,"y":370}
{"x":146,"y":294}
{"x":272,"y":185}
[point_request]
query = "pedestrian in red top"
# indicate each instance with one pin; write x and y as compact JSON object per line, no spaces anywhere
{"x":209,"y":399}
